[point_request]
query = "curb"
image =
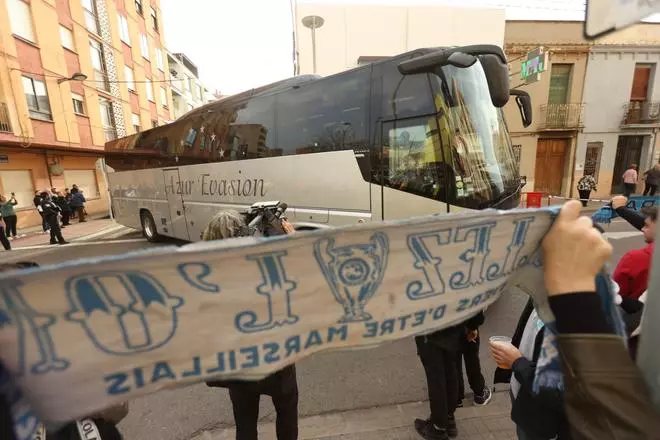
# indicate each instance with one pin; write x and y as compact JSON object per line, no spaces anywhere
{"x":105,"y":231}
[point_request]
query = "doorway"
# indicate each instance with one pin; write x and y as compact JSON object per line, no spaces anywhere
{"x":550,"y":162}
{"x":628,"y":152}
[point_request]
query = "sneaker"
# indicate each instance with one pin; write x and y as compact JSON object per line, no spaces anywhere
{"x":452,"y":429}
{"x":483,"y":398}
{"x":429,"y":431}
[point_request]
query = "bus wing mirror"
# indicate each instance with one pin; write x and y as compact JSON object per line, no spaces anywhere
{"x":497,"y":76}
{"x":524,"y":103}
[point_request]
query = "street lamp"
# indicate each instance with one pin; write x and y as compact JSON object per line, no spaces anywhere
{"x":78,"y":76}
{"x":313,"y":22}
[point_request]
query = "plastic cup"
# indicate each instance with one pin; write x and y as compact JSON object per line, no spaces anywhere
{"x":500,"y":340}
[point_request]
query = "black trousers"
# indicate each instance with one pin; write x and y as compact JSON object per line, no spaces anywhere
{"x":469,"y":352}
{"x":283,"y":389}
{"x":628,"y":189}
{"x":650,"y":189}
{"x":441,"y":380}
{"x":66,"y":216}
{"x":3,"y":239}
{"x":10,"y":223}
{"x":584,"y":194}
{"x":55,"y":230}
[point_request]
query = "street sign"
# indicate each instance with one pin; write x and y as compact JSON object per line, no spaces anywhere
{"x":534,"y":65}
{"x":605,"y":16}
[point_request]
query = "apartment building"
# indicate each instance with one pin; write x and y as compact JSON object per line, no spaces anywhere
{"x":596,"y":105}
{"x":188,"y":92}
{"x":73,"y":75}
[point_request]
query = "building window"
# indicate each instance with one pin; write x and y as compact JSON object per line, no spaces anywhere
{"x":641,"y":80}
{"x":163,"y":97}
{"x":154,"y":19}
{"x":66,"y":36}
{"x":592,"y":159}
{"x":124,"y":33}
{"x":78,"y":104}
{"x":144,"y":46}
{"x":150,"y":89}
{"x":91,"y":18}
{"x":560,"y":81}
{"x":201,"y":92}
{"x":108,"y":120}
{"x":20,"y":183}
{"x":21,"y":19}
{"x":86,"y":181}
{"x":154,"y":123}
{"x":186,"y":83}
{"x":98,"y":63}
{"x":136,"y":122}
{"x":138,"y":7}
{"x":130,"y":79}
{"x":37,"y":99}
{"x":159,"y":59}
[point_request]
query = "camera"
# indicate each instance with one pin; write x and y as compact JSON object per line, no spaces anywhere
{"x":265,"y":219}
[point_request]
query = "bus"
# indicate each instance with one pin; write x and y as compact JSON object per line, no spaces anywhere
{"x":415,"y":134}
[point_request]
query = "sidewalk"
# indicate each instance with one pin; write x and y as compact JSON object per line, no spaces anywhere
{"x":34,"y":236}
{"x":491,"y":422}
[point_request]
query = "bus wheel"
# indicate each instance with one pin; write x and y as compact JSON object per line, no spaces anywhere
{"x":149,"y":227}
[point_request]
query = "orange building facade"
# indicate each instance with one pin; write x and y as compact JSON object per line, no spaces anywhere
{"x":75,"y":74}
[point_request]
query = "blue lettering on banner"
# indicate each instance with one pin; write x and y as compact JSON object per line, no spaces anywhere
{"x":513,"y":259}
{"x":195,"y":274}
{"x":475,"y":256}
{"x":277,"y":288}
{"x":428,"y":264}
{"x":465,"y":304}
{"x":108,"y":304}
{"x":353,"y":272}
{"x":16,"y":313}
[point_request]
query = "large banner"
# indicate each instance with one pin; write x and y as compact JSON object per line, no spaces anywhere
{"x":83,"y":335}
{"x":636,"y":203}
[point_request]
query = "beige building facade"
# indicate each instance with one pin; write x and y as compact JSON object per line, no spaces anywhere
{"x":351,"y":32}
{"x":54,"y":124}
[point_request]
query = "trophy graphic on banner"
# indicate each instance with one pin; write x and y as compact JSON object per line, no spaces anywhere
{"x":353,"y":272}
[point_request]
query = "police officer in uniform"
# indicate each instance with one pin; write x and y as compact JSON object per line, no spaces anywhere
{"x":51,"y":214}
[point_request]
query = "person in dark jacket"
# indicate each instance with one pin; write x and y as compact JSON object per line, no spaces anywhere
{"x":537,"y":416}
{"x":51,"y":214}
{"x":468,"y":352}
{"x":281,"y":386}
{"x":37,"y":204}
{"x":438,"y":351}
{"x":65,"y":207}
{"x":78,"y":204}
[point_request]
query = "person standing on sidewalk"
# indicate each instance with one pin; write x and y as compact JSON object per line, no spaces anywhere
{"x":37,"y":204}
{"x":438,"y":351}
{"x":51,"y":214}
{"x":468,"y":351}
{"x":64,"y":205}
{"x":652,"y":180}
{"x":9,"y":215}
{"x":630,"y":180}
{"x":78,"y":204}
{"x":585,"y":185}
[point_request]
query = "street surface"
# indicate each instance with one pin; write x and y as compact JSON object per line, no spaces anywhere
{"x":329,"y":382}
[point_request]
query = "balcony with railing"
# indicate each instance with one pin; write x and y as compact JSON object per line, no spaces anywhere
{"x":561,"y":117}
{"x":101,"y":80}
{"x":110,"y":133}
{"x":5,"y":123}
{"x":641,"y":113}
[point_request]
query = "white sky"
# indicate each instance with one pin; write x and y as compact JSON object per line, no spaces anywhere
{"x":241,"y":44}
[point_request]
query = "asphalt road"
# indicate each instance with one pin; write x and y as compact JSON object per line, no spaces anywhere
{"x":334,"y":381}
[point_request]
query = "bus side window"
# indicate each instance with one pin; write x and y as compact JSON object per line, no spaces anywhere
{"x":405,"y":96}
{"x":252,"y":135}
{"x":330,"y":114}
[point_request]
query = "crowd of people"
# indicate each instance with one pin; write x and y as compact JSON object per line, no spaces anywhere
{"x":602,"y":396}
{"x":56,"y":209}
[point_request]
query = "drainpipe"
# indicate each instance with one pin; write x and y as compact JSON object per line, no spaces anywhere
{"x":574,"y":160}
{"x":50,"y":178}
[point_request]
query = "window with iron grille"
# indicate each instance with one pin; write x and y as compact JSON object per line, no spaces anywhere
{"x":592,"y":159}
{"x":78,"y":104}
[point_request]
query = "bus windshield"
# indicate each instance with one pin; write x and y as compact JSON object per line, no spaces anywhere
{"x":474,"y":138}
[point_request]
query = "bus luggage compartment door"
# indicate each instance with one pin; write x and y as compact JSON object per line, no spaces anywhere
{"x":173,"y":186}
